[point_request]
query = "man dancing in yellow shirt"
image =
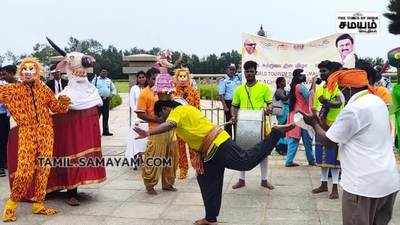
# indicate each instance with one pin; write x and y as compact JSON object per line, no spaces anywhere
{"x":215,"y":145}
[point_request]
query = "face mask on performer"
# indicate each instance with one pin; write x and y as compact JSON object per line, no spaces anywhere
{"x":182,"y":77}
{"x":29,"y":70}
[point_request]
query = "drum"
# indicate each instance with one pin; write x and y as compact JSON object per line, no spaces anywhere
{"x":250,"y":128}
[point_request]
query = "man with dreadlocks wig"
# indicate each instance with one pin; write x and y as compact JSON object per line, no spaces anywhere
{"x":30,"y":103}
{"x":185,"y":90}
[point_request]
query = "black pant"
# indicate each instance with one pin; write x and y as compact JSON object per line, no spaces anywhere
{"x":229,"y":155}
{"x":228,"y":116}
{"x":4,"y":130}
{"x":104,"y":112}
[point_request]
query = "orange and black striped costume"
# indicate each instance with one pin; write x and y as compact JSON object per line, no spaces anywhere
{"x":192,"y":97}
{"x":30,"y":105}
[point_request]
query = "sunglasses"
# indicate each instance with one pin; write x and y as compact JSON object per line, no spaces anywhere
{"x":252,"y":45}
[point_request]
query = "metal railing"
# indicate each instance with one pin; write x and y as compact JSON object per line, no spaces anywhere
{"x":216,"y":115}
{"x":213,"y":112}
{"x":207,"y":78}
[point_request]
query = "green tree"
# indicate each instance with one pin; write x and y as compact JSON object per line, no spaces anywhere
{"x":43,"y":52}
{"x":134,"y":51}
{"x":10,"y":56}
{"x":213,"y":65}
{"x":193,"y":64}
{"x":378,"y":61}
{"x":154,"y":51}
{"x":88,"y":46}
{"x":394,"y":16}
{"x":111,"y":59}
{"x":2,"y":58}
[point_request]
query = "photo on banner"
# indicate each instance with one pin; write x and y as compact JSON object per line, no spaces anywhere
{"x":279,"y":58}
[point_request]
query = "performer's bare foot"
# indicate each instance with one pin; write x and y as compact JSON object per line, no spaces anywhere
{"x":170,"y":188}
{"x":72,"y":201}
{"x":266,"y":184}
{"x":335,"y":193}
{"x":241,"y":183}
{"x":204,"y":222}
{"x":322,"y":188}
{"x":39,"y":208}
{"x":151,"y":191}
{"x":284,"y":128}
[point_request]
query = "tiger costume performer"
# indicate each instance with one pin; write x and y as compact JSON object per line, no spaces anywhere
{"x":184,"y":89}
{"x":30,"y":103}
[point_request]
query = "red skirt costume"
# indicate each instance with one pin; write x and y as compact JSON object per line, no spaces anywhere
{"x":77,"y":137}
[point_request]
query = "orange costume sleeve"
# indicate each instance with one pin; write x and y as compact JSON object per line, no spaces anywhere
{"x":55,"y":105}
{"x":6,"y":92}
{"x":193,"y":97}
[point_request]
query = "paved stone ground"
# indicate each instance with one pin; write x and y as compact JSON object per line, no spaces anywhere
{"x":121,"y":199}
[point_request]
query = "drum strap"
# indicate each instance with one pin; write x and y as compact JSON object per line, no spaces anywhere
{"x":248,"y":96}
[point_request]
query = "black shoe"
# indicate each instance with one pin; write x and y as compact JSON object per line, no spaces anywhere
{"x":2,"y":173}
{"x":108,"y":134}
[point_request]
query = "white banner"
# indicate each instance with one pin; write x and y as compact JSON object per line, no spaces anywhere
{"x":276,"y":58}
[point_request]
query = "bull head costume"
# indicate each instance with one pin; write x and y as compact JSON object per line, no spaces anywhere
{"x":82,"y":93}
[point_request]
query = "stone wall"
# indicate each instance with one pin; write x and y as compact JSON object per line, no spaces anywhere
{"x":135,"y":63}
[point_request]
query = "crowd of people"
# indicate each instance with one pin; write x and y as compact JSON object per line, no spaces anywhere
{"x":344,"y":126}
{"x":326,"y":106}
{"x":349,"y":139}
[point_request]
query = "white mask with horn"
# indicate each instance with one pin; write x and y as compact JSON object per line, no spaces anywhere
{"x":82,"y":93}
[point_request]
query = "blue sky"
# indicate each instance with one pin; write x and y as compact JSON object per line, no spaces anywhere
{"x":199,"y":27}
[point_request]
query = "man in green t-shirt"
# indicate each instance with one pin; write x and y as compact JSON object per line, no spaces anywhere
{"x":329,"y":104}
{"x":253,"y":95}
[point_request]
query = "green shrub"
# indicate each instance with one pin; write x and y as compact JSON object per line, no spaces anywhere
{"x":115,"y":101}
{"x":122,"y":86}
{"x":208,"y":91}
